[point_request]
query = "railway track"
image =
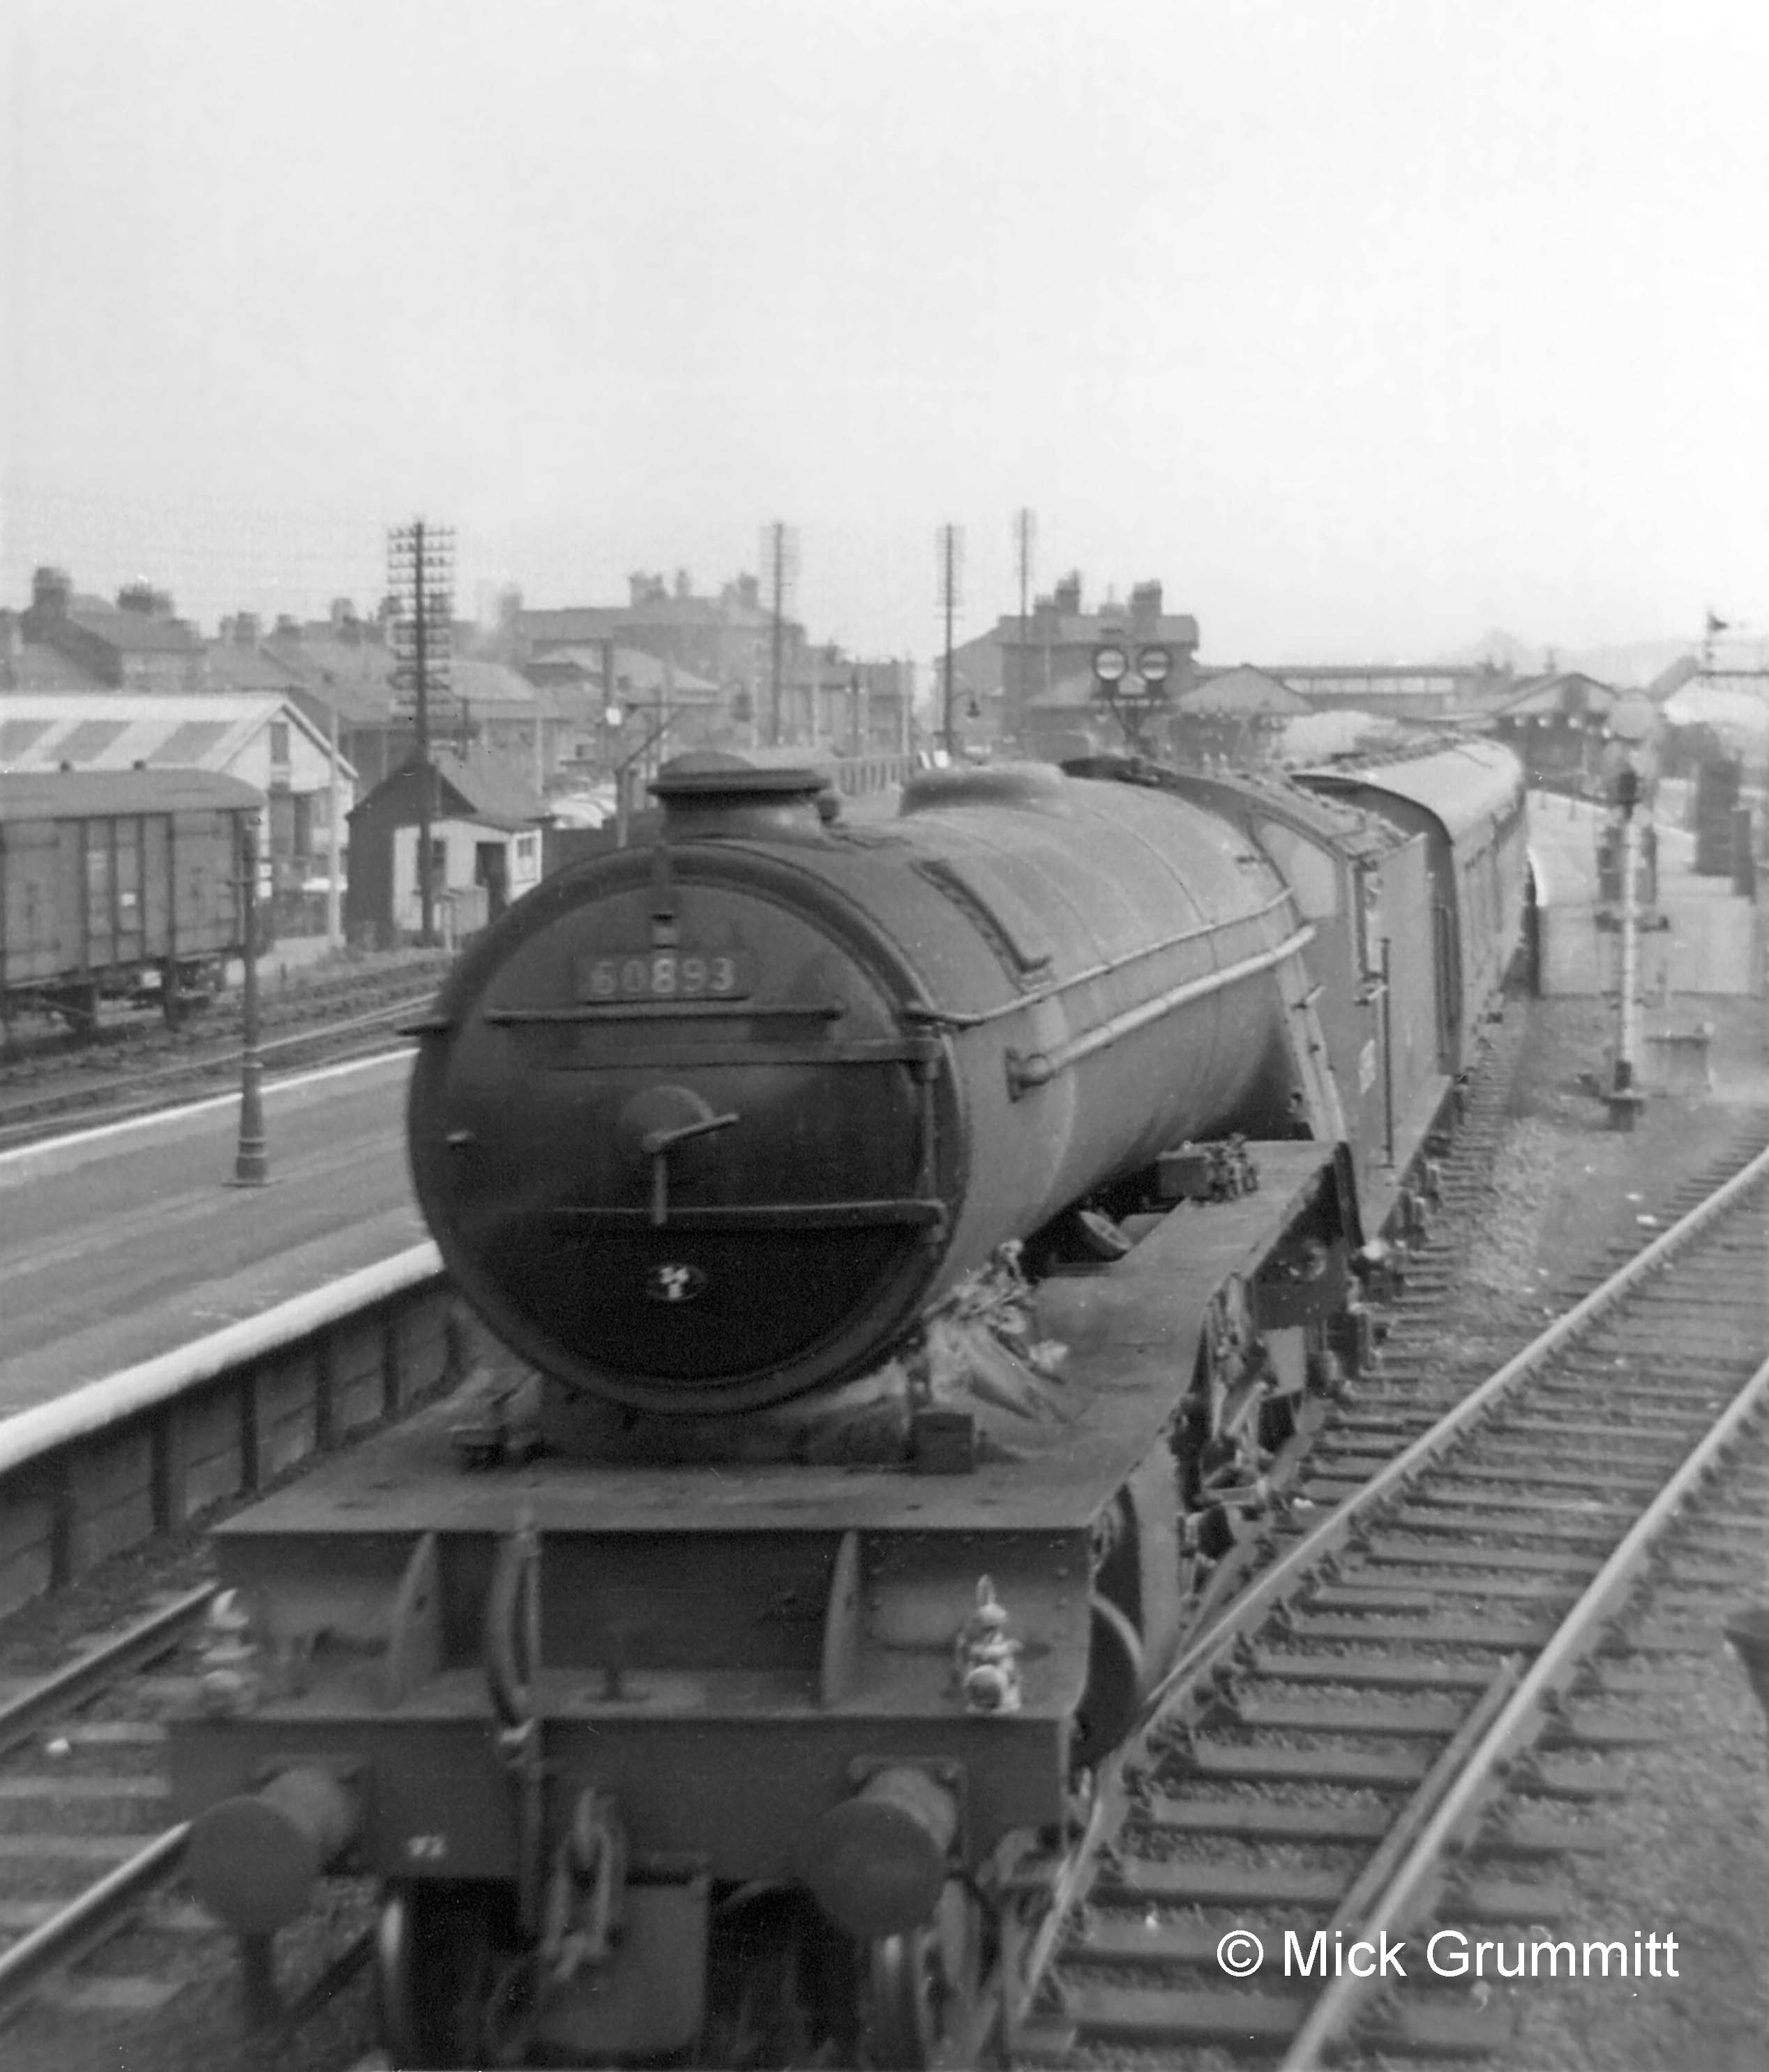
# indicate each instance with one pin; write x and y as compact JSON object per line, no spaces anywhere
{"x":77,"y":1957}
{"x":95,"y":1925}
{"x":101,"y":1875}
{"x":81,"y":1833}
{"x":1395,"y":1727}
{"x":28,"y":1118}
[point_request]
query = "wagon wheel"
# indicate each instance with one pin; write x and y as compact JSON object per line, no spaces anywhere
{"x":441,"y":1964}
{"x":920,"y":1987}
{"x":78,"y":1007}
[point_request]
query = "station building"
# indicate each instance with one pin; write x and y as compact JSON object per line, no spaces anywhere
{"x":1558,"y":726}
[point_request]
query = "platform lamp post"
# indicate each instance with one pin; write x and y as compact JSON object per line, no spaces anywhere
{"x":251,"y":1162}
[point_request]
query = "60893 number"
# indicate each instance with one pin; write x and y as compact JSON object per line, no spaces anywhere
{"x":663,"y":975}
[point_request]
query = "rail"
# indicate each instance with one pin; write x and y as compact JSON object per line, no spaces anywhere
{"x":1477,"y":1772}
{"x":1445,"y":1799}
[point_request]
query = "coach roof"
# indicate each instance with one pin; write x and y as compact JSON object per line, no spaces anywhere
{"x":1460,"y":783}
{"x":84,"y":795}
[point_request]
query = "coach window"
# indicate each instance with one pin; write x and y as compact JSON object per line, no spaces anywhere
{"x":1313,"y":873}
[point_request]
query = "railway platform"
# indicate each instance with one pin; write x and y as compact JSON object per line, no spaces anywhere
{"x":1711,"y":944}
{"x":127,"y":1241}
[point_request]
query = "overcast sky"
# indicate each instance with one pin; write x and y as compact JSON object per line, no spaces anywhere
{"x":1365,"y":326}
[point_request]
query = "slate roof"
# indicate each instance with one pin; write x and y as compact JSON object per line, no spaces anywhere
{"x":476,"y":786}
{"x":1072,"y":693}
{"x":644,"y":673}
{"x":132,"y":632}
{"x":570,"y":624}
{"x":36,"y":666}
{"x":494,"y":791}
{"x":1242,"y":690}
{"x":493,"y":689}
{"x":233,"y":667}
{"x":322,"y":657}
{"x":1567,"y":692}
{"x":1179,"y":629}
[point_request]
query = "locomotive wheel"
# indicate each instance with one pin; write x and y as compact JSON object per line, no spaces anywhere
{"x":781,"y":1984}
{"x":438,"y":1966}
{"x":919,"y":1986}
{"x":1114,"y":1684}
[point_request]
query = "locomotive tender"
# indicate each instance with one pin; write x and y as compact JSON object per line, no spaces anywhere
{"x":933,"y":1239}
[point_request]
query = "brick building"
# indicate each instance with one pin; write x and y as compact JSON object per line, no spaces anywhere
{"x":135,"y":644}
{"x":726,"y":643}
{"x":1031,"y":679}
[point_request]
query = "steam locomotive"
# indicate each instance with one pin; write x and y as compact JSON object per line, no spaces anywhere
{"x":912,"y":1253}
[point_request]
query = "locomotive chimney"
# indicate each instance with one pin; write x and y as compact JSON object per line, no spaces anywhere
{"x":708,"y":794}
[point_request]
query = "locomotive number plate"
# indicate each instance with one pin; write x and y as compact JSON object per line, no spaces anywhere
{"x":622,"y":975}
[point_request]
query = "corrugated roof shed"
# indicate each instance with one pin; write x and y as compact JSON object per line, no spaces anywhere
{"x":117,"y":729}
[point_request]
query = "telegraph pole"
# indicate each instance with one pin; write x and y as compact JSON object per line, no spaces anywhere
{"x":950,"y":543}
{"x":419,"y":569}
{"x":780,"y":554}
{"x":426,"y":874}
{"x":1024,"y":534}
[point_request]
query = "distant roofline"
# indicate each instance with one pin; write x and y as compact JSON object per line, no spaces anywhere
{"x":1366,"y":672}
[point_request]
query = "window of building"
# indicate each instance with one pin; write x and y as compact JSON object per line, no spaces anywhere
{"x":279,"y":741}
